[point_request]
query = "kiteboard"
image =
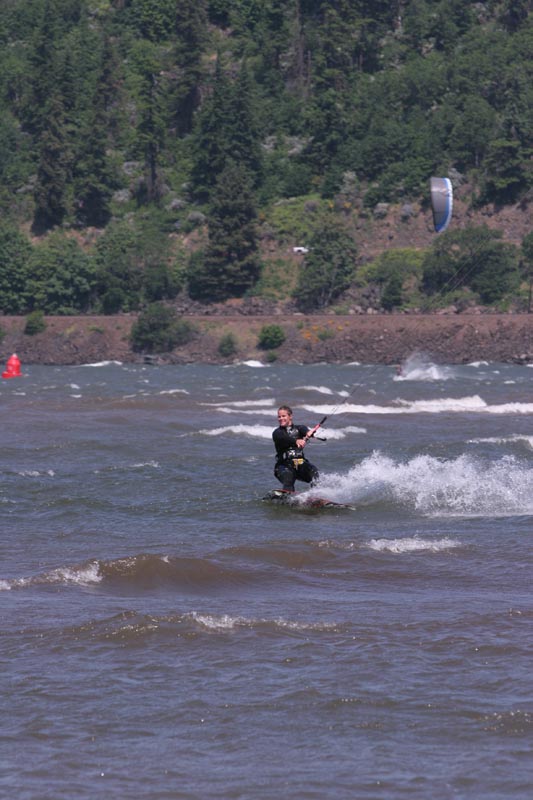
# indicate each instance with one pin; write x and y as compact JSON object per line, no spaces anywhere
{"x":301,"y":500}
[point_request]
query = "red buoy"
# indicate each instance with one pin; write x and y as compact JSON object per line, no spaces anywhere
{"x":12,"y":367}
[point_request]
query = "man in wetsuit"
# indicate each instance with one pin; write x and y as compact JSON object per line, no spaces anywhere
{"x":289,"y":441}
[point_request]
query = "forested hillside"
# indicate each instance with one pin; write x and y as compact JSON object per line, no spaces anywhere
{"x":155,"y":149}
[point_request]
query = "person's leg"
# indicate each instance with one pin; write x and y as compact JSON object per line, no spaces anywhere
{"x":285,"y":476}
{"x":308,"y":473}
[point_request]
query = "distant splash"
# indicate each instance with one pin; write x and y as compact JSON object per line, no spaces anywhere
{"x":463,"y":486}
{"x":419,"y":367}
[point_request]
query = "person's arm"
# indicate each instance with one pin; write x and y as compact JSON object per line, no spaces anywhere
{"x":302,"y":439}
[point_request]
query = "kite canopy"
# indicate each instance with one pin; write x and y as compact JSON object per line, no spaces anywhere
{"x":441,"y":202}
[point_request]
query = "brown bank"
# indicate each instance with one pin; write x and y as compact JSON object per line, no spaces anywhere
{"x":372,"y":339}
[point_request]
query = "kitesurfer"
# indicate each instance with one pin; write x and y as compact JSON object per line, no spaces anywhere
{"x":289,"y":441}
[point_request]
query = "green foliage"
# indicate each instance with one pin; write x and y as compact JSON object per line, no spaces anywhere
{"x":158,"y":329}
{"x":227,"y":130}
{"x":51,"y":204}
{"x":230,"y":265}
{"x":270,"y":337}
{"x":227,"y":346}
{"x":328,"y":267}
{"x":35,"y":323}
{"x":475,"y":258}
{"x":294,"y":219}
{"x":106,"y":94}
{"x":151,"y":20}
{"x":402,"y":262}
{"x":135,"y":265}
{"x":392,"y":270}
{"x":15,"y":250}
{"x":527,"y":251}
{"x":60,"y":276}
{"x":505,"y":175}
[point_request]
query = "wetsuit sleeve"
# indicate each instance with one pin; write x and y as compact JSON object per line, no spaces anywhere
{"x":282,"y":439}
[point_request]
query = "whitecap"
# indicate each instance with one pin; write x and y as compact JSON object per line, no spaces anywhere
{"x":250,"y":363}
{"x":243,"y":403}
{"x":319,"y":389}
{"x":103,"y":364}
{"x":401,"y":406}
{"x":259,"y":431}
{"x":412,"y":544}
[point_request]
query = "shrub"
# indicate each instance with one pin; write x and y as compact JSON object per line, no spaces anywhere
{"x":35,"y":323}
{"x":227,"y":346}
{"x":270,"y":337}
{"x":158,"y":329}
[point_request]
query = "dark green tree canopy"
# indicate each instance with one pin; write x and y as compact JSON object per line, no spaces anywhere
{"x":114,"y":110}
{"x":230,"y":265}
{"x":475,"y":258}
{"x":328,"y":267}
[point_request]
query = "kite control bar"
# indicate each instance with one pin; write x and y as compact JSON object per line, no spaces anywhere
{"x":312,"y":432}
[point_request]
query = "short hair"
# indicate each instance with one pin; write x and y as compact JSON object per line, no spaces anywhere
{"x":288,"y":409}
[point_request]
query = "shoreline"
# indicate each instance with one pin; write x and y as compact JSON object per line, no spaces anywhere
{"x":368,"y":339}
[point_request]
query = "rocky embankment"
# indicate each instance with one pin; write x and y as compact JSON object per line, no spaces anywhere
{"x":372,"y":339}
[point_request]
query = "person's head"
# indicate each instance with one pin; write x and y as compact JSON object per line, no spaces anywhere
{"x":285,"y":416}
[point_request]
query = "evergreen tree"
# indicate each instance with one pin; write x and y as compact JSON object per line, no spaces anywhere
{"x":93,"y":175}
{"x":151,"y":125}
{"x":243,"y":130}
{"x":110,"y":89}
{"x":153,"y":18}
{"x":211,"y":147}
{"x":231,"y":264}
{"x":227,"y":129}
{"x":43,"y":66}
{"x":50,"y":192}
{"x":190,"y":26}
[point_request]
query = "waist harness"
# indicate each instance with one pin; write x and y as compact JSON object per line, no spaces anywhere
{"x":294,"y":457}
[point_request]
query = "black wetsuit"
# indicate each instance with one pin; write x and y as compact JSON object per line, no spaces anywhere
{"x":291,"y":464}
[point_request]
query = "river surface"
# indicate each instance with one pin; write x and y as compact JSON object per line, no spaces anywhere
{"x":167,"y":634}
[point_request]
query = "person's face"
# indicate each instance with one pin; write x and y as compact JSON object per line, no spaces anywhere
{"x":284,"y":418}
